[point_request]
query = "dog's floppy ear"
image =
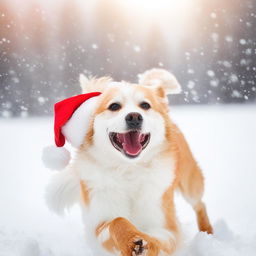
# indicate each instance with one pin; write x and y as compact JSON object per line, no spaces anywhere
{"x":160,"y":78}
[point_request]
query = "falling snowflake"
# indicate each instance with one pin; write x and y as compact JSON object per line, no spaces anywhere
{"x":210,"y":73}
{"x":191,"y":84}
{"x":191,"y":71}
{"x":41,"y":100}
{"x":214,"y":83}
{"x":242,"y":41}
{"x":229,"y":39}
{"x":136,"y":48}
{"x":215,"y":37}
{"x":227,"y":64}
{"x":95,"y":46}
{"x":236,"y":94}
{"x":213,"y":15}
{"x":233,"y":78}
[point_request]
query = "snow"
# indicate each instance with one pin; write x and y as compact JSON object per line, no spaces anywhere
{"x":191,"y":71}
{"x":233,"y":78}
{"x":137,"y":48}
{"x":95,"y":46}
{"x":242,"y":41}
{"x":227,"y":64}
{"x":229,"y":39}
{"x":210,"y":73}
{"x":191,"y":84}
{"x":214,"y":83}
{"x":222,"y":139}
{"x":215,"y":37}
{"x":213,"y":15}
{"x":41,"y":100}
{"x":236,"y":94}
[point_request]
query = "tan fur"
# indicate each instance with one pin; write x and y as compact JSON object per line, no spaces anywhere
{"x":191,"y":181}
{"x":123,"y":235}
{"x":188,"y":178}
{"x":84,"y":193}
{"x":157,"y":99}
{"x":109,"y":244}
{"x":105,"y":98}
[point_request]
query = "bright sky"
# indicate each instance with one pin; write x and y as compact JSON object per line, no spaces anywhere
{"x":155,"y":9}
{"x":173,"y":16}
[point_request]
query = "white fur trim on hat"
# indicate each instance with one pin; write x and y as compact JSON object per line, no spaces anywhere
{"x":77,"y":126}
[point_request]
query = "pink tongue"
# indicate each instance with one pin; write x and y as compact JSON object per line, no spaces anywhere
{"x":131,"y":142}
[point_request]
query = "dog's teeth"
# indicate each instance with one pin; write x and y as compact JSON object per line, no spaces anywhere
{"x":118,"y":138}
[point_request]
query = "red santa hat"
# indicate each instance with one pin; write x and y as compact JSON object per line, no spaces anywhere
{"x":71,"y":121}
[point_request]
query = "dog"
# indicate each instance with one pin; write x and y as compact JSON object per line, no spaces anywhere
{"x":124,"y":175}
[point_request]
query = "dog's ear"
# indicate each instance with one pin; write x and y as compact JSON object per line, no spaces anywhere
{"x":84,"y":81}
{"x":161,"y":79}
{"x":94,"y":84}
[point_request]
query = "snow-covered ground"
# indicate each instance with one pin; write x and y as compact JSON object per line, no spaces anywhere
{"x":223,"y":140}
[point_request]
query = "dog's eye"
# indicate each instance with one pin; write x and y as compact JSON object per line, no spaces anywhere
{"x":114,"y":106}
{"x":145,"y":105}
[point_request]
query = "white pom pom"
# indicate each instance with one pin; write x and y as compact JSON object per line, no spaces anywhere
{"x":55,"y":158}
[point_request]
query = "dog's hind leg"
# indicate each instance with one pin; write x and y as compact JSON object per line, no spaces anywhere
{"x":191,"y":185}
{"x":191,"y":181}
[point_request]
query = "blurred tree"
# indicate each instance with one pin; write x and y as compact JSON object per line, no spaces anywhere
{"x":8,"y":79}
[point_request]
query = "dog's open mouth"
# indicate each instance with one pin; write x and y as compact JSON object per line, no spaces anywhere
{"x":130,"y":143}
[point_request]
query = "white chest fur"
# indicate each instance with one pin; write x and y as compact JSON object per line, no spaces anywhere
{"x":133,"y":191}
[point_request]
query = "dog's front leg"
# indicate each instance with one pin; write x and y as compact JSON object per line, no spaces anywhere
{"x":122,"y":237}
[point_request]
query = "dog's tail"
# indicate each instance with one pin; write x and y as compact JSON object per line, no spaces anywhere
{"x":63,"y":191}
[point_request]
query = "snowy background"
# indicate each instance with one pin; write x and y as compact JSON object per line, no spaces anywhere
{"x":209,"y":45}
{"x":44,"y":45}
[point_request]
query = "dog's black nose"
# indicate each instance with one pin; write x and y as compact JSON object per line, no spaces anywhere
{"x":134,"y":120}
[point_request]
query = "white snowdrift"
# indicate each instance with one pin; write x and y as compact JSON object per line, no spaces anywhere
{"x":223,"y":140}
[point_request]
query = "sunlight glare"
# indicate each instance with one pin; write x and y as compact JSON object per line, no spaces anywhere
{"x":157,"y":8}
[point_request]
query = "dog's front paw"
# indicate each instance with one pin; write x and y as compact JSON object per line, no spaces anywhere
{"x":144,"y":246}
{"x":140,"y":247}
